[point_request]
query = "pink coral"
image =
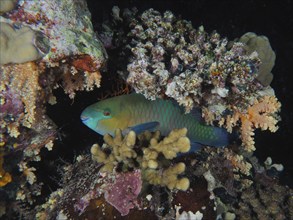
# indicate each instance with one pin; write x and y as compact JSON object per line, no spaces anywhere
{"x":122,"y":194}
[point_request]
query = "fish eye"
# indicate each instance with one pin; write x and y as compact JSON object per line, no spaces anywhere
{"x":106,"y":113}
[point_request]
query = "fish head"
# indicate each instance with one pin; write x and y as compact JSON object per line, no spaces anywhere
{"x":104,"y":116}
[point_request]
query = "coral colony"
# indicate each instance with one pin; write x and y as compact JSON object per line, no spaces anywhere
{"x":136,"y":175}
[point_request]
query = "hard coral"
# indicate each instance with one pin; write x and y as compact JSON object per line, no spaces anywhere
{"x":144,"y":154}
{"x":67,"y":42}
{"x":86,"y":193}
{"x":266,"y":54}
{"x":170,"y":58}
{"x":196,"y":65}
{"x":7,"y":5}
{"x":20,"y":45}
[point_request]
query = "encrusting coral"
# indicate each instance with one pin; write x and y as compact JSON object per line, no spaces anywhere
{"x":7,"y":5}
{"x":20,"y":45}
{"x":144,"y":153}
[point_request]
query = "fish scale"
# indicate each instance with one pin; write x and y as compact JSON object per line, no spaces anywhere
{"x":166,"y":113}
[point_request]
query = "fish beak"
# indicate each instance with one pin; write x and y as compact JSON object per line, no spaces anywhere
{"x":84,"y":118}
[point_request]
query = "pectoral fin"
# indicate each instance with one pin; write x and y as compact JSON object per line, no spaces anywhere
{"x":149,"y":126}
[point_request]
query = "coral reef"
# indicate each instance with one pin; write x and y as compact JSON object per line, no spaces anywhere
{"x":132,"y":176}
{"x":262,"y":114}
{"x":221,"y":183}
{"x":127,"y":153}
{"x":122,"y":194}
{"x":41,"y":50}
{"x":168,"y":58}
{"x":262,"y":46}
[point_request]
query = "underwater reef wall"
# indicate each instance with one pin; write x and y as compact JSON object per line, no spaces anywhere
{"x":47,"y":45}
{"x":124,"y":181}
{"x":41,"y":50}
{"x":169,"y":58}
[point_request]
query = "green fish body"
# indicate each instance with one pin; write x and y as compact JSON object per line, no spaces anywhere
{"x":135,"y":112}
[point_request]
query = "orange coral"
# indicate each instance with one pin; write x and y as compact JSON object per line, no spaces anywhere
{"x":259,"y":115}
{"x":84,"y":63}
{"x":262,"y":114}
{"x":78,"y":80}
{"x":5,"y":177}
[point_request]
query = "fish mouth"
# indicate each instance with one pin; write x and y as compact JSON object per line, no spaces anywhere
{"x":84,"y":118}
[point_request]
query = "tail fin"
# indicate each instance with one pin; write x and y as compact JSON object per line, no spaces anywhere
{"x":224,"y":138}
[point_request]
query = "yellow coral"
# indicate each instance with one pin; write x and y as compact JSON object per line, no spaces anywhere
{"x":92,"y":79}
{"x":176,"y":142}
{"x":123,"y":150}
{"x":169,"y":177}
{"x":77,"y":80}
{"x":28,"y":172}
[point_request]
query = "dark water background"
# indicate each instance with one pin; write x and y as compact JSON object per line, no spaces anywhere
{"x":231,"y":19}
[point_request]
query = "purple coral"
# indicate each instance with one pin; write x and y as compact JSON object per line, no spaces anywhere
{"x":11,"y":104}
{"x":122,"y":194}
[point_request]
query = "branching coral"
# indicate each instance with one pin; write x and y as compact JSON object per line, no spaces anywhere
{"x":74,"y":80}
{"x":219,"y":180}
{"x":132,"y":153}
{"x":168,"y":177}
{"x":261,"y":114}
{"x":67,"y":42}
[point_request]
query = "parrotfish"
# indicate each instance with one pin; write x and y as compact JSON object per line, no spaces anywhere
{"x":135,"y":112}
